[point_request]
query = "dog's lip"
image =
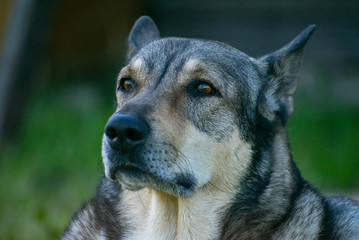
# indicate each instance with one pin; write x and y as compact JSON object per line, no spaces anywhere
{"x":135,"y":178}
{"x":132,"y":177}
{"x":129,"y":170}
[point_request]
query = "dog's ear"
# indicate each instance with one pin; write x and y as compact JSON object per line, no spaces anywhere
{"x":143,"y":32}
{"x":281,"y":70}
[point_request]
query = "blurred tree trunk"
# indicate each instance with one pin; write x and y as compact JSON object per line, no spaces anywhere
{"x":25,"y":37}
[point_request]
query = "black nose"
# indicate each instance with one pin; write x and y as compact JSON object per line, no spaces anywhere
{"x":126,"y":131}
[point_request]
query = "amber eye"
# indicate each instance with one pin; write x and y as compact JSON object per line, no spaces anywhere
{"x":205,"y":88}
{"x":126,"y":84}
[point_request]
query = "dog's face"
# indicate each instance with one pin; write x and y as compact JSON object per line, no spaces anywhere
{"x":188,"y":111}
{"x":188,"y":102}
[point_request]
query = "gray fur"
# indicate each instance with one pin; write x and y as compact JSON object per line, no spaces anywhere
{"x":251,"y":104}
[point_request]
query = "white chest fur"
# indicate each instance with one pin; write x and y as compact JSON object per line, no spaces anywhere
{"x":156,"y":215}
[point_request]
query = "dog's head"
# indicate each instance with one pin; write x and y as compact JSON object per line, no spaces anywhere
{"x":189,"y":111}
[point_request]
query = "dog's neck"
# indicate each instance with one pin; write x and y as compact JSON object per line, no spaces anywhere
{"x":157,"y":215}
{"x":266,"y":194}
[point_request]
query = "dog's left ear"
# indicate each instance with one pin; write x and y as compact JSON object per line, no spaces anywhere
{"x":143,"y":32}
{"x":281,"y":69}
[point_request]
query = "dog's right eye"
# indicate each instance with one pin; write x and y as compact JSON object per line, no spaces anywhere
{"x":126,"y":84}
{"x":202,"y":88}
{"x":205,"y":88}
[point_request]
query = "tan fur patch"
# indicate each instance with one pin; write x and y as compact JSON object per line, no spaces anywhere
{"x":137,"y":65}
{"x":192,"y":69}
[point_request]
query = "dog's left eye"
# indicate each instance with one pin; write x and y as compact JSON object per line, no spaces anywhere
{"x":205,"y":88}
{"x":126,"y":84}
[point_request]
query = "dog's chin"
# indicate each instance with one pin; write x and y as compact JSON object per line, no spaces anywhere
{"x":135,"y":179}
{"x":132,"y":178}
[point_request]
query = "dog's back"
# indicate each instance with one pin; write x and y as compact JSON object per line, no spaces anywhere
{"x":342,"y":219}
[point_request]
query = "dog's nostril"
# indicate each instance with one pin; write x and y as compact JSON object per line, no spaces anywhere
{"x":110,"y":133}
{"x":134,"y":135}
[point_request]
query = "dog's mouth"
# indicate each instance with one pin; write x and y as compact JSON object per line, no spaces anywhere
{"x":130,"y":171}
{"x":134,"y":178}
{"x":153,"y":166}
{"x":131,"y":177}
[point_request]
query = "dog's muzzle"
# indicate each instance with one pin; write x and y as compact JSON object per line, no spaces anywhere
{"x":126,"y":160}
{"x":125,"y":135}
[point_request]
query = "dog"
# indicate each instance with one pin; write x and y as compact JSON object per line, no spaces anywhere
{"x":197,"y":149}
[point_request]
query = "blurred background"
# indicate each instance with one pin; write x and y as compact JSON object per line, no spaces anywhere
{"x":58,"y":65}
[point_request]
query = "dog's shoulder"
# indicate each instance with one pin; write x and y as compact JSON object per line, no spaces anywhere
{"x":342,"y":219}
{"x":99,"y":217}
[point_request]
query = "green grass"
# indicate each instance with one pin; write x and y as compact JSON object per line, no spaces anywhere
{"x":57,"y":164}
{"x":55,"y":168}
{"x":325,"y":145}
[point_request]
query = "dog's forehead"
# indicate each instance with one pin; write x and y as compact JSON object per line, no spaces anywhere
{"x":181,"y":51}
{"x":180,"y":58}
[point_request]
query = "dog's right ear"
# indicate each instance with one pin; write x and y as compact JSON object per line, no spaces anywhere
{"x":281,"y":70}
{"x":143,"y":32}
